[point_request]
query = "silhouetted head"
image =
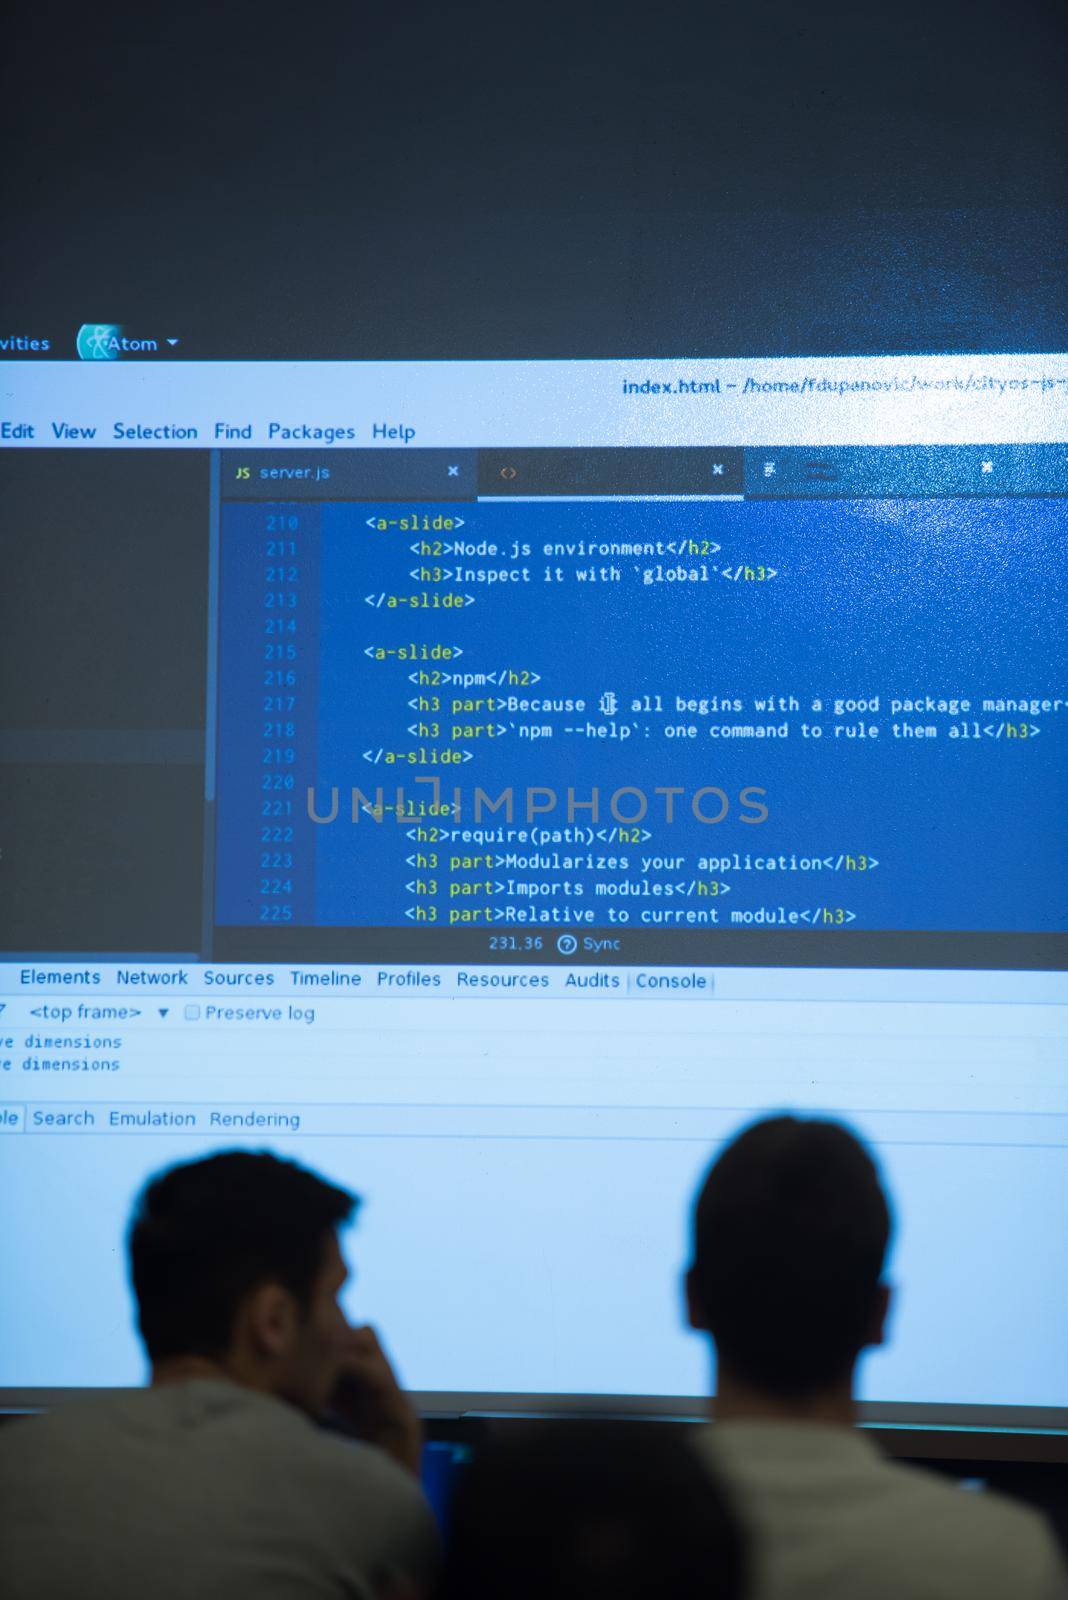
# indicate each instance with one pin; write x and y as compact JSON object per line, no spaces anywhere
{"x":235,"y":1259}
{"x":592,"y":1511}
{"x":791,"y":1230}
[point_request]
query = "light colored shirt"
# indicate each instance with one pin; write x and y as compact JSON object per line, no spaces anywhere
{"x":202,"y":1489}
{"x":831,"y":1519}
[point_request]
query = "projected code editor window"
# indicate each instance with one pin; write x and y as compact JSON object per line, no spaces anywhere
{"x":482,"y":788}
{"x":658,"y":700}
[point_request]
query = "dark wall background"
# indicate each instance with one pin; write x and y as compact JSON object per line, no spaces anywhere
{"x":595,"y":180}
{"x":429,"y":180}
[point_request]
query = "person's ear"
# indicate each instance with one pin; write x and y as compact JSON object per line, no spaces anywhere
{"x":271,"y":1319}
{"x":880,"y":1312}
{"x":695,"y":1315}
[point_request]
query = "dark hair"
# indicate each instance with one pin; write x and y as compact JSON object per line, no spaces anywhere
{"x":205,"y":1233}
{"x":591,"y":1511}
{"x":790,"y":1235}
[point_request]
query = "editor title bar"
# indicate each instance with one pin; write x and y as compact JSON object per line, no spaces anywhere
{"x":886,"y":401}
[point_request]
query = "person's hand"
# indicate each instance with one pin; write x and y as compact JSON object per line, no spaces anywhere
{"x":372,"y":1405}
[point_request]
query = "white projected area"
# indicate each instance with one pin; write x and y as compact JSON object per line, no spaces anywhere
{"x":818,"y":602}
{"x":527,"y":1166}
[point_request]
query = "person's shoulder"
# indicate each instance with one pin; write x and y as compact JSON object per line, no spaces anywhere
{"x":328,"y":1465}
{"x":44,"y":1451}
{"x":17,"y":1436}
{"x":225,"y":1416}
{"x":352,"y":1468}
{"x":831,"y":1494}
{"x":368,"y":1505}
{"x":990,"y":1533}
{"x":63,"y":1424}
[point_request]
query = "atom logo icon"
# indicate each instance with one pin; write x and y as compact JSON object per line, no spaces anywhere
{"x":99,"y":341}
